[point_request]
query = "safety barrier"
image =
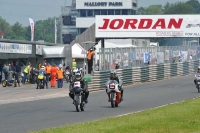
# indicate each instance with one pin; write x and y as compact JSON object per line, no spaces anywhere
{"x":145,"y":74}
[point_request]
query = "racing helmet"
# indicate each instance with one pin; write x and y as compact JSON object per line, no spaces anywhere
{"x":42,"y":68}
{"x":78,"y":76}
{"x":113,"y":73}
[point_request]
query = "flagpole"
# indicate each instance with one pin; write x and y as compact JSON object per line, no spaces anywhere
{"x":55,"y":31}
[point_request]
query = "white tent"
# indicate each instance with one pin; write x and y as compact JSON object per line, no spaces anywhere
{"x":114,"y":43}
{"x":78,"y":51}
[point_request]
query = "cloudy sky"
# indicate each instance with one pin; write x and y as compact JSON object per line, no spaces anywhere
{"x":21,"y":10}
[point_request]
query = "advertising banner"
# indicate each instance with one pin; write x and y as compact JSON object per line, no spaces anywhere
{"x":137,"y":56}
{"x":39,"y":49}
{"x":184,"y":56}
{"x":15,"y":48}
{"x":118,"y":26}
{"x":176,"y":53}
{"x":146,"y":57}
{"x":125,"y":60}
{"x":166,"y":54}
{"x":160,"y":57}
{"x":133,"y":56}
{"x":118,"y":59}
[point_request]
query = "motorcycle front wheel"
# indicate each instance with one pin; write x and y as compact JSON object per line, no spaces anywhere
{"x":4,"y":83}
{"x":112,"y":99}
{"x":77,"y":103}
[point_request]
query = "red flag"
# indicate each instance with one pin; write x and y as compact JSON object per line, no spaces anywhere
{"x":2,"y":34}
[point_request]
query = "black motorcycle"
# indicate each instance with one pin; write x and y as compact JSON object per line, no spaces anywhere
{"x":79,"y":97}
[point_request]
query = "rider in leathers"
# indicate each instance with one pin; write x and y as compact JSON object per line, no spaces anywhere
{"x":113,"y":76}
{"x":197,"y":73}
{"x":83,"y":86}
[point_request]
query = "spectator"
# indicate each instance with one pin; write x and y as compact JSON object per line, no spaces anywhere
{"x":5,"y":70}
{"x":190,"y":57}
{"x":179,"y":59}
{"x":26,"y":73}
{"x":39,"y":66}
{"x":116,"y":65}
{"x":174,"y":60}
{"x":1,"y":67}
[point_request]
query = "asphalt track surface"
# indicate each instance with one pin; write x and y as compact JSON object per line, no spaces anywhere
{"x":35,"y":115}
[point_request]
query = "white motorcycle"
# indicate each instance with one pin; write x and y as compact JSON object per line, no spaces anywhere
{"x":79,"y":96}
{"x":114,"y":92}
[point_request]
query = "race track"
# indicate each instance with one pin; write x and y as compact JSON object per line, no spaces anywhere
{"x":35,"y":115}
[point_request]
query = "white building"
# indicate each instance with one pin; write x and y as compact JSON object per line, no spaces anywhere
{"x":81,"y":15}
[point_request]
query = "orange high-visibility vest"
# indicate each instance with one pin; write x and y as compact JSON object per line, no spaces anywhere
{"x":48,"y":69}
{"x":60,"y":74}
{"x":90,"y":54}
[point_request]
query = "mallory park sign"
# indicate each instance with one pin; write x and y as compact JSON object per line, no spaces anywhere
{"x":104,"y":4}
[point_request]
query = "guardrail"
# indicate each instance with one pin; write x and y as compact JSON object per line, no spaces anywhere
{"x":145,"y":74}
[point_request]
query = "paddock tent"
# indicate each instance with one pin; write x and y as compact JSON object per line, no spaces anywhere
{"x":78,"y":51}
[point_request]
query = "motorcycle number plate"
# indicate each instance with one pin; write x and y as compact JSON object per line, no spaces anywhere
{"x":112,"y":86}
{"x":77,"y":84}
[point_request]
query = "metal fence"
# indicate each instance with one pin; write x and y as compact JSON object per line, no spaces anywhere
{"x":144,"y":56}
{"x":145,"y":74}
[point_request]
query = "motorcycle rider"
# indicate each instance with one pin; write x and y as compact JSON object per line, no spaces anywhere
{"x":84,"y":86}
{"x":196,"y":75}
{"x":68,"y":68}
{"x":113,"y":76}
{"x":42,"y":71}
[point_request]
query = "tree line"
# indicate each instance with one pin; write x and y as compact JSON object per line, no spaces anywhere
{"x":44,"y":29}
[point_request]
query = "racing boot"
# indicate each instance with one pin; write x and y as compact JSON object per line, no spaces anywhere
{"x":108,"y":97}
{"x":122,"y":91}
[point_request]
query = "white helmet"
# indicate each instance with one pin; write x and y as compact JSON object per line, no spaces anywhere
{"x":42,"y":67}
{"x":60,"y":66}
{"x":78,"y":76}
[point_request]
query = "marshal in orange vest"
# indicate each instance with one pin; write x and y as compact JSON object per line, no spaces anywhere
{"x":60,"y":74}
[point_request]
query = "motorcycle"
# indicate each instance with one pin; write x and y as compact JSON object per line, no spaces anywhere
{"x":114,"y":92}
{"x":67,"y":76}
{"x":11,"y":80}
{"x":79,"y":96}
{"x":197,"y":83}
{"x":40,"y":83}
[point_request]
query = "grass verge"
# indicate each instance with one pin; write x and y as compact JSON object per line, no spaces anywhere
{"x":183,"y":117}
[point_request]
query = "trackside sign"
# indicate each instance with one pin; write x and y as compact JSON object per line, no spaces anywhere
{"x":147,"y":26}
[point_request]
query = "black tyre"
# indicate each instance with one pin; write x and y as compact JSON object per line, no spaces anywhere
{"x":77,"y":103}
{"x":40,"y":85}
{"x":82,"y":105}
{"x":112,"y":100}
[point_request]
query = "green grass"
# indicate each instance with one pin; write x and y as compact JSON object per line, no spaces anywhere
{"x":183,"y":117}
